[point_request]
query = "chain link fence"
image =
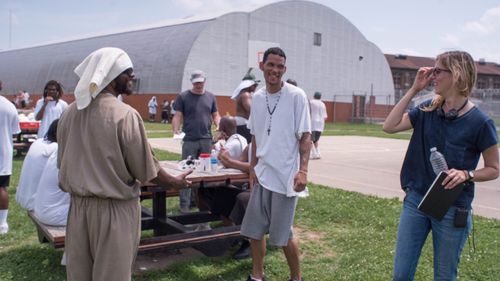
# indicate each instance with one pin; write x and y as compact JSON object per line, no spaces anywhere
{"x":366,"y":108}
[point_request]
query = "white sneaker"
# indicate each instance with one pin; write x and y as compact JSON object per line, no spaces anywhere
{"x":4,"y":228}
{"x":203,"y":226}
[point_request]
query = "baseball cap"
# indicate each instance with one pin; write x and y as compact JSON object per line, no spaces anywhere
{"x":197,"y":76}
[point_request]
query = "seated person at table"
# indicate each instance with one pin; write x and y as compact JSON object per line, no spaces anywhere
{"x":227,"y":138}
{"x":51,"y":203}
{"x":220,"y":200}
{"x":33,"y":165}
{"x":240,"y":204}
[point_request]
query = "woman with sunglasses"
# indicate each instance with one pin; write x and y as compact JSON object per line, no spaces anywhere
{"x":462,"y":133}
{"x":49,"y":107}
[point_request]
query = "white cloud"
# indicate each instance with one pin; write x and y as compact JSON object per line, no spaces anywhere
{"x":489,"y":23}
{"x":451,"y":39}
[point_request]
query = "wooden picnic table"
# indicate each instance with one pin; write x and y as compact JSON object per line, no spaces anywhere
{"x":171,"y":231}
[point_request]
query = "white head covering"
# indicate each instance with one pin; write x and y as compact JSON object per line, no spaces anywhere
{"x":96,"y":71}
{"x":243,"y":85}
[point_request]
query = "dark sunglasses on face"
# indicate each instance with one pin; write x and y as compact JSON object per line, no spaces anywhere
{"x":129,"y":72}
{"x":437,"y":70}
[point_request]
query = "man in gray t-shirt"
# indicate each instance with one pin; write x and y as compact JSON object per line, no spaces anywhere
{"x":197,"y":109}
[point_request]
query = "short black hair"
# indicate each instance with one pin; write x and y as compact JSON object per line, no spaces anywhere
{"x":58,"y":86}
{"x":52,"y":132}
{"x":291,"y":81}
{"x":275,"y":51}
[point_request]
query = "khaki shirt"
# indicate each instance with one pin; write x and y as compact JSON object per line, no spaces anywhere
{"x":104,"y":151}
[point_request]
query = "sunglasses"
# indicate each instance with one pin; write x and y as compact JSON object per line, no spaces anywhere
{"x":129,"y":72}
{"x":437,"y":70}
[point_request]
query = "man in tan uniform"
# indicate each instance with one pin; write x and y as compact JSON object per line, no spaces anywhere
{"x":103,"y":157}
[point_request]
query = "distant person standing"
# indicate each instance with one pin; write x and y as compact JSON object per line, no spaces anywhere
{"x":197,"y":110}
{"x":318,"y":117}
{"x":26,"y":98}
{"x":9,"y":125}
{"x":243,"y":96}
{"x":165,"y":112}
{"x":49,"y":107}
{"x":152,"y":106}
{"x":281,"y":128}
{"x":172,"y":110}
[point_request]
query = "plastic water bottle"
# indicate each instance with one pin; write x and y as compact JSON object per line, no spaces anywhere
{"x":437,"y":161}
{"x":213,"y":160}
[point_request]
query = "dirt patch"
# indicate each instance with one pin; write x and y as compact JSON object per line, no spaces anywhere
{"x":162,"y":260}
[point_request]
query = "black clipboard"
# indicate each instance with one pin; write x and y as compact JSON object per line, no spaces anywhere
{"x":438,"y":200}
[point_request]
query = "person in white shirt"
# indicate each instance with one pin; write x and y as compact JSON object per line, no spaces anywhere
{"x":220,"y":200}
{"x":9,"y":125}
{"x":152,"y":105}
{"x":234,"y":143}
{"x":51,"y":203}
{"x":281,"y":141}
{"x":318,"y":117}
{"x":50,"y":107}
{"x":33,"y":166}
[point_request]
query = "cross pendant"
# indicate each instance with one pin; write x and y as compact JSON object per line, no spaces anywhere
{"x":268,"y":131}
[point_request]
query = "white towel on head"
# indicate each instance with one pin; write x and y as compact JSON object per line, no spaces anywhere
{"x":96,"y":71}
{"x":243,"y":85}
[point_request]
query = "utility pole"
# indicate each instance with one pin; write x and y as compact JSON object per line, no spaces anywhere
{"x":10,"y":29}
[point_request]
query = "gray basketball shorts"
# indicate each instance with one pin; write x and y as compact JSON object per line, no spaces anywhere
{"x":271,"y":212}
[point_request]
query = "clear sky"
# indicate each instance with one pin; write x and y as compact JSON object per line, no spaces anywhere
{"x":421,"y":28}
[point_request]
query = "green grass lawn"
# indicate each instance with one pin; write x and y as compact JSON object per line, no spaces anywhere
{"x":158,"y":130}
{"x":344,"y":236}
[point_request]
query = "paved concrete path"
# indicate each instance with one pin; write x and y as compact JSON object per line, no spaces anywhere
{"x":370,"y":166}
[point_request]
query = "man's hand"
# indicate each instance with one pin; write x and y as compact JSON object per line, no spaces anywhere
{"x":180,"y":181}
{"x":252,"y":178}
{"x":300,"y":181}
{"x":47,"y":99}
{"x":224,"y":157}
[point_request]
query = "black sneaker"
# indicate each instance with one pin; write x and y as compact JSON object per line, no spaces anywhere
{"x":251,"y":279}
{"x":243,"y":252}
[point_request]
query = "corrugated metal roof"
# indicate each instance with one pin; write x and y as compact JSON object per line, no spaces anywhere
{"x":159,"y":55}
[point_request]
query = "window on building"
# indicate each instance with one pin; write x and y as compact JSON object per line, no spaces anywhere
{"x":481,"y":84}
{"x":397,"y":80}
{"x":317,"y":39}
{"x":496,"y":84}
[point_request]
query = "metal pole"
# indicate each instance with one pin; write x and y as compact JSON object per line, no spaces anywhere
{"x":10,"y":29}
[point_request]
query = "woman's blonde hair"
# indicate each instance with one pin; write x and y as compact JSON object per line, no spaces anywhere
{"x":464,"y":73}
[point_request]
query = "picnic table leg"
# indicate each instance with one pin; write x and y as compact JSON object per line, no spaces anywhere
{"x":159,"y":212}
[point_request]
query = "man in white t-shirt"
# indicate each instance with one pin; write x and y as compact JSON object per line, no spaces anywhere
{"x":318,"y":117}
{"x":33,"y":166}
{"x":281,"y":128}
{"x":50,"y":107}
{"x":9,"y":125}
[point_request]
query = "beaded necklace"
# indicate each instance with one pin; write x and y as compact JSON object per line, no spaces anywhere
{"x":271,"y":111}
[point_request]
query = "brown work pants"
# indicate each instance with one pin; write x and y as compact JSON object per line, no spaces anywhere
{"x":102,"y":237}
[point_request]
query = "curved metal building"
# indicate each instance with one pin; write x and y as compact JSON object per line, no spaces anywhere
{"x":325,"y":52}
